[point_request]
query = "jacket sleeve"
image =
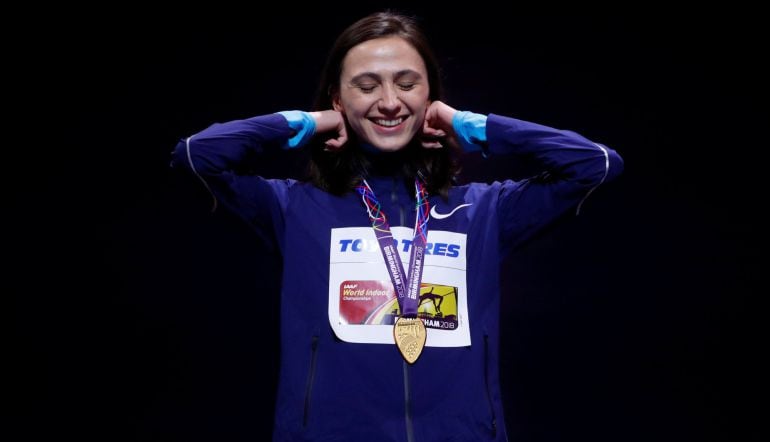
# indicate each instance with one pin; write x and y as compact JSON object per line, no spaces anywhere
{"x":218,"y":156}
{"x":572,"y":168}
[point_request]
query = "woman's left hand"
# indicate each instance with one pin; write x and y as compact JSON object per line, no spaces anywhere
{"x":437,"y":128}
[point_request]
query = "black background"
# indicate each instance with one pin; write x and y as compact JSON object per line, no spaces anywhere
{"x":137,"y":315}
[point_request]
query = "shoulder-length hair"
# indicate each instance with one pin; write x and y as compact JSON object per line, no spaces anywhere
{"x":340,"y":171}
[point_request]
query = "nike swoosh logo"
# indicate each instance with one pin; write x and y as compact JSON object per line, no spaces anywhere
{"x":436,"y":215}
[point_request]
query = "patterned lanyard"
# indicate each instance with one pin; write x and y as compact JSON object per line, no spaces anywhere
{"x":407,"y":287}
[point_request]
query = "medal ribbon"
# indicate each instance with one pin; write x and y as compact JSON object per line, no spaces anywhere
{"x":407,"y":286}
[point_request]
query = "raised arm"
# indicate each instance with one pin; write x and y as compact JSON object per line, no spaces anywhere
{"x":217,"y":154}
{"x":223,"y":147}
{"x":572,"y":167}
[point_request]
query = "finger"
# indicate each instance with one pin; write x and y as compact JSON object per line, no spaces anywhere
{"x":336,"y":143}
{"x":332,"y":144}
{"x":430,"y":144}
{"x":431,"y":132}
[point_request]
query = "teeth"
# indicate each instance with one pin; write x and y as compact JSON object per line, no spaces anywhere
{"x":389,"y":123}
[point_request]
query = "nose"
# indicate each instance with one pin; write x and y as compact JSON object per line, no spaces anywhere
{"x":389,"y":103}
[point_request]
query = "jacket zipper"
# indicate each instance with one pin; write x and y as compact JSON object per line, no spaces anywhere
{"x":407,"y":392}
{"x":407,"y":405}
{"x":309,"y":386}
{"x":486,"y":386}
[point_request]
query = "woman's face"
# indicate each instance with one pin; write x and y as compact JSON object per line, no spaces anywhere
{"x":383,"y":92}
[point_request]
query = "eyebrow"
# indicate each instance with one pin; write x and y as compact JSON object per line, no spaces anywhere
{"x":378,"y":77}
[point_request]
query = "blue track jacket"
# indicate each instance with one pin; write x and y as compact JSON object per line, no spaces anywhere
{"x":341,"y":376}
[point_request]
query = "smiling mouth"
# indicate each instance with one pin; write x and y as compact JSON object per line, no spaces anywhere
{"x":388,"y":122}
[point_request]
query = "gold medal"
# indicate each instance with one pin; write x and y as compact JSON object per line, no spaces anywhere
{"x":410,"y":335}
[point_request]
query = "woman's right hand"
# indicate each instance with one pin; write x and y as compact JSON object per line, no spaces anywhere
{"x":331,"y":121}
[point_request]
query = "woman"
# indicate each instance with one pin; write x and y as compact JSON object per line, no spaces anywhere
{"x":381,"y":143}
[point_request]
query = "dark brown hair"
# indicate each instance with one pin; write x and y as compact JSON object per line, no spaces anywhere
{"x":340,"y":171}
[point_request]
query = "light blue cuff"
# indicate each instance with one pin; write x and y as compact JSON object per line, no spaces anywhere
{"x":471,"y":130}
{"x":304,"y":126}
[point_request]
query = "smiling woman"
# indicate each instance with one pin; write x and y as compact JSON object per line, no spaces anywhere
{"x":381,"y":69}
{"x":384,"y":92}
{"x":376,"y":307}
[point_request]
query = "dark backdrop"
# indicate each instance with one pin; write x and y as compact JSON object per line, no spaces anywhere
{"x":137,"y":315}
